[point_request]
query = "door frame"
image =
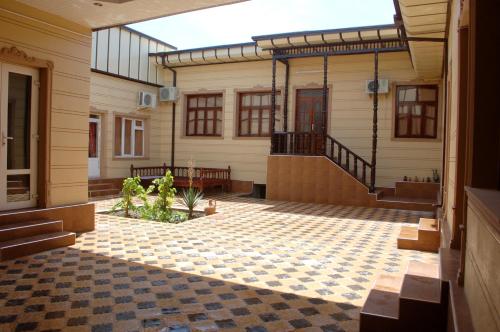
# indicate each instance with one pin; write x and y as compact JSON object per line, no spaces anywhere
{"x":13,"y":55}
{"x":98,"y":147}
{"x":5,"y":70}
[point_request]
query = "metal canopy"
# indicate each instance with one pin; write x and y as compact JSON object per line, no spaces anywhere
{"x":360,"y":40}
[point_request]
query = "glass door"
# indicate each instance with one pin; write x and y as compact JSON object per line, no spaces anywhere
{"x":310,"y":121}
{"x":18,"y":136}
{"x":94,"y":146}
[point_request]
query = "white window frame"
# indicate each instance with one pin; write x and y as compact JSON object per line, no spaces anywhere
{"x":132,"y":138}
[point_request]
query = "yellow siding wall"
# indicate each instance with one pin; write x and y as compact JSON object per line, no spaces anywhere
{"x":112,"y":96}
{"x":40,"y":36}
{"x":350,"y":118}
{"x":452,"y":125}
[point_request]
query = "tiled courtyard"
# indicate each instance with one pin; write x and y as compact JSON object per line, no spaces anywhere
{"x":255,"y":266}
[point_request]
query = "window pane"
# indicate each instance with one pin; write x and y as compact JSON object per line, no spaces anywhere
{"x":426,"y":94}
{"x":245,"y":101}
{"x":417,"y":110}
{"x":127,"y":150}
{"x":210,"y":127}
{"x":18,"y":187}
{"x":255,"y":100}
{"x":118,"y":136}
{"x":219,"y":115}
{"x":219,"y":127}
{"x":407,"y":94}
{"x":211,"y":102}
{"x":266,"y":100}
{"x":416,"y":123}
{"x":278,"y":100}
{"x":192,"y":102}
{"x":138,"y":123}
{"x":200,"y":126}
{"x":254,"y":124}
{"x":244,"y":115}
{"x":191,"y":115}
{"x":139,"y":142}
{"x":430,"y":111}
{"x":202,"y":102}
{"x":191,"y":128}
{"x":210,"y":115}
{"x":218,"y":101}
{"x":265,"y":126}
{"x":429,"y":127}
{"x":244,"y":127}
{"x":403,"y":126}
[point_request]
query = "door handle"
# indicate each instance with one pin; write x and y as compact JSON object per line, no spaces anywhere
{"x":5,"y":138}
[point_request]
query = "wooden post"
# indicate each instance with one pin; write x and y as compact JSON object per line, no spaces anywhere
{"x":375,"y":126}
{"x":325,"y":102}
{"x":273,"y":104}
{"x":285,"y":101}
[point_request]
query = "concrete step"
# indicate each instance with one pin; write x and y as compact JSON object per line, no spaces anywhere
{"x":34,"y":244}
{"x":29,"y":228}
{"x":381,"y":309}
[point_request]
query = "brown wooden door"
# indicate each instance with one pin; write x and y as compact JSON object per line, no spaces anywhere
{"x":310,"y":121}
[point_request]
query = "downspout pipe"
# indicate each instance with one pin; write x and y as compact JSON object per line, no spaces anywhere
{"x":174,"y":84}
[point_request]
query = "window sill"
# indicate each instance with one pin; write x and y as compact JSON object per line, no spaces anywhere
{"x":129,"y":158}
{"x":202,"y":137}
{"x":410,"y":139}
{"x":257,"y":138}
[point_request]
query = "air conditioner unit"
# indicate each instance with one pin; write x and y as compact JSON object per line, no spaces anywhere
{"x":168,"y":93}
{"x":383,"y":86}
{"x":147,"y":100}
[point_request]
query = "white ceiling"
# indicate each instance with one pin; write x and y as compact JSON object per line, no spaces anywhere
{"x":103,"y":13}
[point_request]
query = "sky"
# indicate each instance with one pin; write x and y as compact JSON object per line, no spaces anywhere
{"x":237,"y":23}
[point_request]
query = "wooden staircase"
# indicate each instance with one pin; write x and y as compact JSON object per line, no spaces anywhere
{"x":26,"y":238}
{"x":424,"y":237}
{"x":416,"y":301}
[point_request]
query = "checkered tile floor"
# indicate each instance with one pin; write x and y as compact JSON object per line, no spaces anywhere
{"x":256,"y":266}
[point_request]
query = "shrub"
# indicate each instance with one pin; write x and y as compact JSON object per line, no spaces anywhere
{"x":161,"y":209}
{"x":131,"y":188}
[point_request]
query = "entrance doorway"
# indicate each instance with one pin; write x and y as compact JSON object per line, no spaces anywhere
{"x":310,"y":120}
{"x":19,"y":136}
{"x":94,"y":146}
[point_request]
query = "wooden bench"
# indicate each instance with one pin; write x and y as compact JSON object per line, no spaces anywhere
{"x":202,"y":177}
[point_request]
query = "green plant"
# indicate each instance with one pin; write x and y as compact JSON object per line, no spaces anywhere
{"x":131,"y":188}
{"x":161,"y":209}
{"x":191,"y":198}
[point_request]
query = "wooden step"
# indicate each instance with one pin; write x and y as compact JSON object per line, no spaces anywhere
{"x":380,"y":313}
{"x":29,"y":228}
{"x":104,"y":192}
{"x":420,"y":307}
{"x":34,"y":244}
{"x":425,"y":237}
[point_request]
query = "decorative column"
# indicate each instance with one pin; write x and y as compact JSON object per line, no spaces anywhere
{"x":285,"y":101}
{"x":273,"y":104}
{"x":375,"y":125}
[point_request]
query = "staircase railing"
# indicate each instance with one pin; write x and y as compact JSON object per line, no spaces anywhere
{"x":351,"y":162}
{"x":298,"y":143}
{"x":313,"y":144}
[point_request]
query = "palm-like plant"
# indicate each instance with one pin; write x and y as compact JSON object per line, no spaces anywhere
{"x":191,"y":198}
